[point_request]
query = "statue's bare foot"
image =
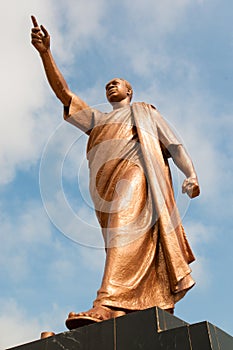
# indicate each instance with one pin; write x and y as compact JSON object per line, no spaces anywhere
{"x":96,"y":314}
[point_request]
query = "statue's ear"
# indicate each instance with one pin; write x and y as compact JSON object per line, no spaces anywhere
{"x":129,"y":92}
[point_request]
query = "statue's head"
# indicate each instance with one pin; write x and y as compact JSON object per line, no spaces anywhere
{"x":118,"y":89}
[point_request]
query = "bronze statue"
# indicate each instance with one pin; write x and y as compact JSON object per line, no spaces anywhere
{"x":147,"y":254}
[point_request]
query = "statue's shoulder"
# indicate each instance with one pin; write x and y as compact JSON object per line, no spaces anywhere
{"x":144,"y":104}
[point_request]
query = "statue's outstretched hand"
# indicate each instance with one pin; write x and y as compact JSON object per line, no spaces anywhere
{"x":191,"y":187}
{"x":40,"y":37}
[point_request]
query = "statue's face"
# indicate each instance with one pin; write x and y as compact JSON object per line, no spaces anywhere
{"x":116,"y":90}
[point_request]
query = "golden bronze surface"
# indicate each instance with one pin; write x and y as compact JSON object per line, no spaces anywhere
{"x":147,"y":253}
{"x":46,"y":335}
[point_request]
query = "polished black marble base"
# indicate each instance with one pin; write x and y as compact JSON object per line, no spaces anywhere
{"x":148,"y":329}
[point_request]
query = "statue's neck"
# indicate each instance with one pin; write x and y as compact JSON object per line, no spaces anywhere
{"x":120,"y":104}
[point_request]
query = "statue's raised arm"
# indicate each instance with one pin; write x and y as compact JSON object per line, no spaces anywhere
{"x":41,"y":41}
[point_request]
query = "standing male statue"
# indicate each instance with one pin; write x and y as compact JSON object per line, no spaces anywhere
{"x":147,"y":254}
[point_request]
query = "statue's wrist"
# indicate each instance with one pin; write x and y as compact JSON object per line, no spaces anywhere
{"x":45,"y":52}
{"x":192,"y":176}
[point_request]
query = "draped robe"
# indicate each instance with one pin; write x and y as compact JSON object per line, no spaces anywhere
{"x":147,"y":253}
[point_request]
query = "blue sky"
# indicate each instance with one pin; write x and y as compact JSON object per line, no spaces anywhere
{"x":178,"y":55}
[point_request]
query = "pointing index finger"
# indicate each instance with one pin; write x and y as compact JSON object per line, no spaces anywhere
{"x":34,"y":21}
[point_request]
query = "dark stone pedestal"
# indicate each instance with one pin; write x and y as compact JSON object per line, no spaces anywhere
{"x":148,"y":329}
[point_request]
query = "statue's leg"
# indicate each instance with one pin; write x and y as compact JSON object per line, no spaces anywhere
{"x":129,"y":199}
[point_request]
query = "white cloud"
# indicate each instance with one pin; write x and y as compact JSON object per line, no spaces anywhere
{"x":80,"y":23}
{"x":80,"y":226}
{"x":200,"y":235}
{"x":23,"y":130}
{"x":94,"y":259}
{"x":19,"y":327}
{"x":201,"y":273}
{"x":158,"y":17}
{"x":20,"y":237}
{"x":16,"y":326}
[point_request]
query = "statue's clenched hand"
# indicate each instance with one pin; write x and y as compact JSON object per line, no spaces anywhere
{"x":40,"y":37}
{"x":191,"y":187}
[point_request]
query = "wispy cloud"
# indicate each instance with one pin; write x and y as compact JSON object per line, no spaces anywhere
{"x":18,"y":326}
{"x":22,"y":92}
{"x":20,"y":237}
{"x":14,"y":317}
